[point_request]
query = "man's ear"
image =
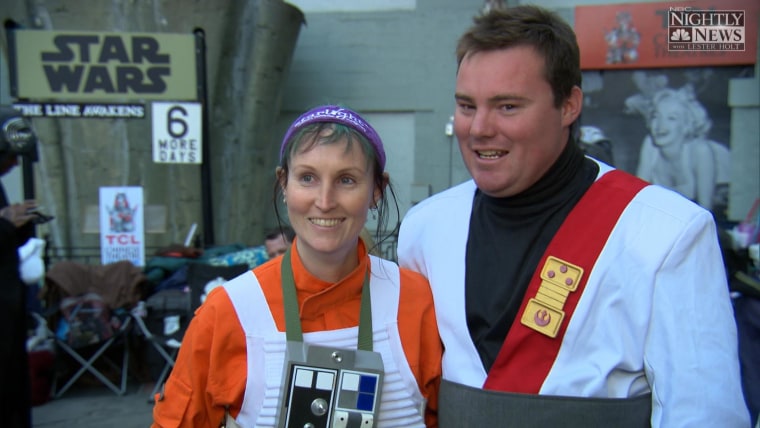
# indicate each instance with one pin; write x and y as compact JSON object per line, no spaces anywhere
{"x":571,"y":107}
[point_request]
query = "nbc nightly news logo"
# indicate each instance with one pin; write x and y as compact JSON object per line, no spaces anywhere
{"x":705,"y":30}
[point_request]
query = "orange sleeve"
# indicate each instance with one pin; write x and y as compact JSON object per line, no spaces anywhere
{"x":210,"y":370}
{"x":418,"y":329}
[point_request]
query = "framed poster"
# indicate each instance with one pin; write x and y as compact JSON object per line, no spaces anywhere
{"x":641,"y":112}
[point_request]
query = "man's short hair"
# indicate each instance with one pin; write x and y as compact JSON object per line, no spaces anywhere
{"x":527,"y":25}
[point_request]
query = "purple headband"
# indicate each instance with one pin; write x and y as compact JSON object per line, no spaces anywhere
{"x":343,"y":116}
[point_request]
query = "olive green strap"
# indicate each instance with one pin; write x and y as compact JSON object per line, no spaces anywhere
{"x":293,"y":331}
{"x":365,"y":317}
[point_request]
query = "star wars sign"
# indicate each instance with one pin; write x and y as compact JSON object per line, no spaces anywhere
{"x":177,"y":133}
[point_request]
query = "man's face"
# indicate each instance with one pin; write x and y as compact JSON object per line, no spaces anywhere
{"x":509,"y":130}
{"x":276,"y":246}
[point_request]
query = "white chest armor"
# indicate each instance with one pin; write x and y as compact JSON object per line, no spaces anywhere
{"x":402,"y":404}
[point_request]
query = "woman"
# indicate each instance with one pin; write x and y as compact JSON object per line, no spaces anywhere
{"x":243,"y":354}
{"x":677,"y":153}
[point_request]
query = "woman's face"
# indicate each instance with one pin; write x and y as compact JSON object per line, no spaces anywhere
{"x":668,"y":123}
{"x":328,"y":193}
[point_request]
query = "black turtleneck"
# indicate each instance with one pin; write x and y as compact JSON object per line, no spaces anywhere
{"x":507,"y":238}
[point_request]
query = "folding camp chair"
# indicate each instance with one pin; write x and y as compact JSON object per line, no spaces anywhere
{"x":88,"y":359}
{"x":86,"y":307}
{"x":166,"y":314}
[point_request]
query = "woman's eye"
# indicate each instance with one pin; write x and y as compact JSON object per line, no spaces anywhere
{"x":347,"y":180}
{"x":307,"y":178}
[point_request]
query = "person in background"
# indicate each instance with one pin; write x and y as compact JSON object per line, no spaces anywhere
{"x":278,"y":240}
{"x":16,"y":227}
{"x":252,"y":352}
{"x":568,"y":293}
{"x":594,"y":143}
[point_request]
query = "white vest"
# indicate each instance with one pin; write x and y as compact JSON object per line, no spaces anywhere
{"x":402,"y":403}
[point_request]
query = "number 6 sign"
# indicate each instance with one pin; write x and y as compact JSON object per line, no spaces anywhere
{"x":177,"y":133}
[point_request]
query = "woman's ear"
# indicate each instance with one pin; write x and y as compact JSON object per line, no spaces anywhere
{"x":380,"y":190}
{"x":281,"y":177}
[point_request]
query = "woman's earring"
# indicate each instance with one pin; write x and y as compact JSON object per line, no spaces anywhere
{"x":374,"y":213}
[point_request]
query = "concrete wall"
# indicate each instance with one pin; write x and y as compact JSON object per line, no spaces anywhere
{"x":249,"y":46}
{"x":744,"y":99}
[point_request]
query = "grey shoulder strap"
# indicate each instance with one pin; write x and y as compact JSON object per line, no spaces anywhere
{"x":464,"y":406}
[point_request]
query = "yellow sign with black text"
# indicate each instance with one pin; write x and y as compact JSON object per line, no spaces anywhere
{"x":87,"y":66}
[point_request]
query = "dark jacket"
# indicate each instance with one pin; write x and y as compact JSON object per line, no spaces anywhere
{"x":15,"y":393}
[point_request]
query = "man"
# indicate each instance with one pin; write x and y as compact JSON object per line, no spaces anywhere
{"x":278,"y":240}
{"x":16,"y":227}
{"x":567,"y":293}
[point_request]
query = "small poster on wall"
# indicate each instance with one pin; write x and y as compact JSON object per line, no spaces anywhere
{"x":122,"y":235}
{"x":667,"y":34}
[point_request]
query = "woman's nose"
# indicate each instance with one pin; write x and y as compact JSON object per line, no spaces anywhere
{"x":326,"y":197}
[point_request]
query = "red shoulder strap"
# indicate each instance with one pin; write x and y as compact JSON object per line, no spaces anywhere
{"x":534,"y":339}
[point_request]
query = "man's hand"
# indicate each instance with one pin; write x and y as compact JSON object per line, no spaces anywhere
{"x":19,"y":214}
